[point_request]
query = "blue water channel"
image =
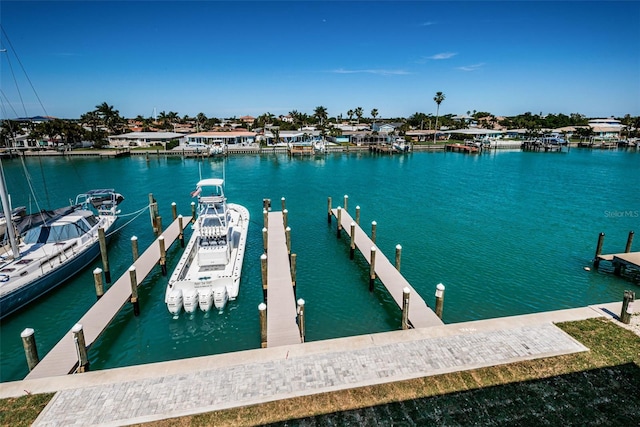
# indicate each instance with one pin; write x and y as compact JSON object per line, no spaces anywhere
{"x":506,"y":232}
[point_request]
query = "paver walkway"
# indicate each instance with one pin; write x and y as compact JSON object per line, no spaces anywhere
{"x":170,"y":389}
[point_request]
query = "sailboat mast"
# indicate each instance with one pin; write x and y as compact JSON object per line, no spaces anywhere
{"x":6,"y":207}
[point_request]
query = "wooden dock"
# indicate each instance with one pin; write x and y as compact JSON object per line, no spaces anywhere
{"x":63,"y":358}
{"x":420,"y":315}
{"x":282,"y":328}
{"x":627,"y":261}
{"x":459,"y":148}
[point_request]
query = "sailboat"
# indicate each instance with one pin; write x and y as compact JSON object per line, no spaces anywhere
{"x":54,"y":247}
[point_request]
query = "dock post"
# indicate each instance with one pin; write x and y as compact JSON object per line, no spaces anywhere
{"x":263,"y":269}
{"x":625,"y":314}
{"x":398,"y":256}
{"x":134,"y":248}
{"x":301,"y":318}
{"x":627,"y":249}
{"x":352,"y":248}
{"x":285,"y":217}
{"x":262,"y":309}
{"x":374,"y":225}
{"x":158,"y":224}
{"x":181,"y":233}
{"x":265,"y":239}
{"x":284,"y":203}
{"x":266,"y":204}
{"x":406,"y":293}
{"x":439,"y":299}
{"x":134,"y":290}
{"x":193,"y":212}
{"x":97,"y":279}
{"x":339,"y":216}
{"x":346,"y":203}
{"x":287,"y":235}
{"x":174,"y":210}
{"x":30,"y":350}
{"x":357,"y":214}
{"x":163,"y":255}
{"x":153,"y":206}
{"x":294,"y":258}
{"x":329,"y":210}
{"x":81,"y":348}
{"x":596,"y":261}
{"x":372,"y":269}
{"x":265,"y":217}
{"x":103,"y":251}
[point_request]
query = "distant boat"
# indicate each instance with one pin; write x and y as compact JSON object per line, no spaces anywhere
{"x":401,"y":145}
{"x":53,"y":246}
{"x":208,"y":272}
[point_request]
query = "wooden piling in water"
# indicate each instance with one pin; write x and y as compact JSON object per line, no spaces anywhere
{"x":181,"y":234}
{"x":339,"y":216}
{"x":329,"y":210}
{"x":596,"y":262}
{"x":627,"y":249}
{"x":265,"y":217}
{"x":293,"y":261}
{"x":263,"y":270}
{"x":374,"y":225}
{"x":285,"y":218}
{"x":262,"y":309}
{"x":134,"y":290}
{"x":372,"y":268}
{"x":163,"y":255}
{"x":439,"y":299}
{"x":81,"y":348}
{"x":398,"y":256}
{"x":300,"y":310}
{"x":284,"y":204}
{"x":174,"y":210}
{"x":265,"y":239}
{"x":625,"y":314}
{"x":346,"y":203}
{"x":406,"y":293}
{"x":103,"y":252}
{"x":134,"y":248}
{"x":357,"y":215}
{"x":158,"y":224}
{"x":97,"y":279}
{"x":352,"y":247}
{"x":153,"y":206}
{"x":30,"y":349}
{"x":287,"y":236}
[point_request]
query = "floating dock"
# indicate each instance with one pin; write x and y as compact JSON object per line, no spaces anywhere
{"x":420,"y":315}
{"x":282,"y":328}
{"x":63,"y":357}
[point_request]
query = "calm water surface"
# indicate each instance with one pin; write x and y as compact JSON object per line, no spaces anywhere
{"x":507,"y":233}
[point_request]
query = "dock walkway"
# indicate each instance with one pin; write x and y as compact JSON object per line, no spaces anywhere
{"x":420,"y":315}
{"x":282,"y":328}
{"x":63,"y":358}
{"x":158,"y":391}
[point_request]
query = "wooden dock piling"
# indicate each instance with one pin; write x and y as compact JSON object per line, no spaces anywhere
{"x":294,"y":260}
{"x":352,"y":248}
{"x":28,"y":336}
{"x":97,"y":279}
{"x":439,"y":299}
{"x":265,"y":239}
{"x":339,"y":225}
{"x":300,"y":303}
{"x":406,"y":293}
{"x":181,"y":235}
{"x":193,"y":212}
{"x":262,"y":309}
{"x":163,"y":256}
{"x":263,"y":270}
{"x":374,"y":225}
{"x":596,"y":261}
{"x":346,"y":203}
{"x":329,"y":210}
{"x":398,"y":256}
{"x":134,"y":290}
{"x":358,"y":215}
{"x":103,"y":252}
{"x":134,"y":248}
{"x":372,"y":268}
{"x":627,"y":249}
{"x":81,"y":348}
{"x":625,"y":314}
{"x":174,"y":210}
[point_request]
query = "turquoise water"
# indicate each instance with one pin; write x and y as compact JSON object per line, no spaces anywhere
{"x":506,"y":232}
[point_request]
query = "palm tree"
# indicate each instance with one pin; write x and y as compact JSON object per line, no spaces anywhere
{"x":321,"y":113}
{"x":374,"y":113}
{"x":350,"y":113}
{"x":438,"y":99}
{"x":359,"y":112}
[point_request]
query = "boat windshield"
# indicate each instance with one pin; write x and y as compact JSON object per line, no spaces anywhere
{"x":56,"y":232}
{"x":213,"y":221}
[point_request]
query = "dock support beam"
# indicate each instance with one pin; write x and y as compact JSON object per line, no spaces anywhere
{"x":439,"y":299}
{"x":81,"y":348}
{"x":625,"y":314}
{"x":163,"y":255}
{"x":301,"y":318}
{"x":406,"y":293}
{"x":134,"y":248}
{"x":374,"y":225}
{"x":339,"y":216}
{"x":372,"y":269}
{"x":263,"y":269}
{"x":627,"y":249}
{"x":103,"y":251}
{"x":596,"y":261}
{"x":181,"y":234}
{"x":97,"y":279}
{"x":398,"y":256}
{"x":352,"y":247}
{"x":134,"y":290}
{"x":358,"y":215}
{"x":30,"y":350}
{"x":262,"y":309}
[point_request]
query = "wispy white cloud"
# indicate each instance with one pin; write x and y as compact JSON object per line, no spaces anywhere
{"x":381,"y":72}
{"x":443,"y":55}
{"x":427,"y":24}
{"x":473,"y":67}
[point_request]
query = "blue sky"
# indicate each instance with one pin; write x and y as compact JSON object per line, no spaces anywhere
{"x":230,"y":59}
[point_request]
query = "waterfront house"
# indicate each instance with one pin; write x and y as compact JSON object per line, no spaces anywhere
{"x":606,"y":128}
{"x":144,"y":139}
{"x":218,"y":138}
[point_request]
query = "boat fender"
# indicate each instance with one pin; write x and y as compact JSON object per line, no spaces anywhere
{"x":4,"y":277}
